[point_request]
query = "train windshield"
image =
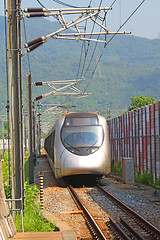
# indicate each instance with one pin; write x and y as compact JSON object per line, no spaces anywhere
{"x":82,"y":136}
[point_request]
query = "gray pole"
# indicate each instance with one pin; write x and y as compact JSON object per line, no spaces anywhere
{"x":25,"y":135}
{"x":33,"y":108}
{"x":3,"y":129}
{"x":13,"y":46}
{"x":39,"y":130}
{"x":29,"y":111}
{"x":20,"y":101}
{"x":34,"y":133}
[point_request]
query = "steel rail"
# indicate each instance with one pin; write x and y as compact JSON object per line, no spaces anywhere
{"x":119,"y":230}
{"x":147,"y":224}
{"x":133,"y":232}
{"x":93,"y":226}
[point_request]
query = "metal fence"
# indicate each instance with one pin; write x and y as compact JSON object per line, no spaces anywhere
{"x":136,"y":134}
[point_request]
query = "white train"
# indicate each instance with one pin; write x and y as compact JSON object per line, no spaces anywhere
{"x":79,"y":145}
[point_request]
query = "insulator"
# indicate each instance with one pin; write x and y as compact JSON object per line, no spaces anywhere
{"x":37,"y":40}
{"x":38,"y":98}
{"x":34,"y":9}
{"x":38,"y":83}
{"x":30,"y":49}
{"x":36,"y":15}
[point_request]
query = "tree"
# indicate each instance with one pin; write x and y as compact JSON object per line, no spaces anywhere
{"x":137,"y":102}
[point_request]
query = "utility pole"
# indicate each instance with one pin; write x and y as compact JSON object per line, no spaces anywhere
{"x":25,"y":134}
{"x":20,"y":99}
{"x":34,"y":133}
{"x":29,"y":111}
{"x":39,"y":130}
{"x":13,"y":48}
{"x":3,"y":129}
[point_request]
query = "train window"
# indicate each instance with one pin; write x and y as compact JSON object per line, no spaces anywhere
{"x":80,"y":121}
{"x":86,"y":136}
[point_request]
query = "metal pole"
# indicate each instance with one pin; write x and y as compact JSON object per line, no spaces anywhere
{"x":3,"y":129}
{"x":34,"y":132}
{"x":7,"y":76}
{"x":39,"y":129}
{"x":25,"y":134}
{"x":14,"y":99}
{"x":20,"y":102}
{"x":29,"y":111}
{"x":33,"y":111}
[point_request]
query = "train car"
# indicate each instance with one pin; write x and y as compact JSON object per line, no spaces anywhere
{"x":78,"y":144}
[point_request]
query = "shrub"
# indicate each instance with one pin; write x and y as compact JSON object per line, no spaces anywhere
{"x":33,"y":220}
{"x":144,"y":178}
{"x":116,"y":169}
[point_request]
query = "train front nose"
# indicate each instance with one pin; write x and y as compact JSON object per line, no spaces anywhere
{"x":91,"y":164}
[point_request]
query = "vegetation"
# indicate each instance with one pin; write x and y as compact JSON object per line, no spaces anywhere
{"x":5,"y":174}
{"x":5,"y":131}
{"x":33,"y":220}
{"x":129,"y":67}
{"x":137,"y":102}
{"x":145,"y":178}
{"x":116,"y":168}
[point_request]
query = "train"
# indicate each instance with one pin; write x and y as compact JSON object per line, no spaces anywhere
{"x":78,"y":144}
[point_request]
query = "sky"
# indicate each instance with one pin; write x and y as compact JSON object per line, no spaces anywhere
{"x":144,"y":23}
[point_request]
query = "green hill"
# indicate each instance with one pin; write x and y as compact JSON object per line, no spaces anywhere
{"x":129,"y":67}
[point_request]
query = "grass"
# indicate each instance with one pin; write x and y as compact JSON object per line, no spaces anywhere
{"x":145,"y":178}
{"x":116,"y":169}
{"x":33,"y":220}
{"x":5,"y":174}
{"x":26,"y":170}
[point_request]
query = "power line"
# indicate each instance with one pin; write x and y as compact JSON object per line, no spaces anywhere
{"x":25,"y":35}
{"x":112,"y":39}
{"x":65,"y":4}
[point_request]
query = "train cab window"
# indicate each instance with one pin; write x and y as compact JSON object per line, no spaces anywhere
{"x":80,"y":121}
{"x":82,"y":140}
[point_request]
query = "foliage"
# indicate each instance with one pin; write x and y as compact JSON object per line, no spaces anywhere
{"x":26,"y":170}
{"x":116,"y":168}
{"x":7,"y":190}
{"x":5,"y":169}
{"x":144,"y":178}
{"x":33,"y":220}
{"x":157,"y":182}
{"x":129,"y":67}
{"x":5,"y":131}
{"x":5,"y":174}
{"x":137,"y":102}
{"x":147,"y":178}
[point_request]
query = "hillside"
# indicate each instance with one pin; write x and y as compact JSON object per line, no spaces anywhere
{"x":129,"y":67}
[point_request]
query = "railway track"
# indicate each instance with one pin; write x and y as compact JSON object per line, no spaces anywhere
{"x":146,"y":229}
{"x":129,"y":226}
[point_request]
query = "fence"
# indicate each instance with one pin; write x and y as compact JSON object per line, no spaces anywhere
{"x":136,"y":134}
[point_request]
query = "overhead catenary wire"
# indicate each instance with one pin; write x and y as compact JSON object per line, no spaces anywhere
{"x":65,"y":4}
{"x":25,"y":35}
{"x":44,"y":7}
{"x":83,"y":45}
{"x":111,"y":40}
{"x":89,"y":44}
{"x":86,"y":52}
{"x":97,"y":42}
